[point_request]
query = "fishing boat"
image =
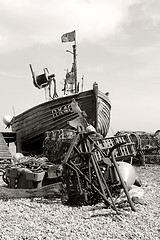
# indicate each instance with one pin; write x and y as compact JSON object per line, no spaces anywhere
{"x":31,"y":126}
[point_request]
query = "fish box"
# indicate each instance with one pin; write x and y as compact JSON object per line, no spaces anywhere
{"x":38,"y":176}
{"x":23,"y":178}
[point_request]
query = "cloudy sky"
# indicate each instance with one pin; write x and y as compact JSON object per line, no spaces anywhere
{"x":118,"y":46}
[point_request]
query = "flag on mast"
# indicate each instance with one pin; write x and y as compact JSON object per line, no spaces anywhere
{"x":69,"y":37}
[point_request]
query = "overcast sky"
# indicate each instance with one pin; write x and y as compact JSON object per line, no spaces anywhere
{"x":118,"y":46}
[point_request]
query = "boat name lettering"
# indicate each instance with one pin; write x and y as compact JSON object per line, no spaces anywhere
{"x":61,"y":110}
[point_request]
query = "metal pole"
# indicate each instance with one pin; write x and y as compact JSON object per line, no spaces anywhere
{"x":122,"y":182}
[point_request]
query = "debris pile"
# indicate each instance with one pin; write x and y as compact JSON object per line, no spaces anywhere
{"x":31,"y":172}
{"x":90,"y":169}
{"x":88,"y":173}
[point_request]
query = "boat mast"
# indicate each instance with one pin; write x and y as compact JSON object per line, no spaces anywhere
{"x":71,"y":37}
{"x":75,"y":66}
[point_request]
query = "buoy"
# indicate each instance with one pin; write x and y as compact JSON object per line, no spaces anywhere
{"x":90,"y":128}
{"x":18,"y":156}
{"x":7,"y":120}
{"x":127,"y":172}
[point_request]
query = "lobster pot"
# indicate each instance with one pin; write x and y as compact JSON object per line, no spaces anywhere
{"x":148,"y":140}
{"x":141,"y":139}
{"x":56,"y":144}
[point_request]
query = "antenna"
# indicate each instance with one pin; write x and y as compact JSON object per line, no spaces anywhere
{"x":14,"y":114}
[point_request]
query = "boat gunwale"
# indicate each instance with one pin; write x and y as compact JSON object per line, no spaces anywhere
{"x":56,"y":101}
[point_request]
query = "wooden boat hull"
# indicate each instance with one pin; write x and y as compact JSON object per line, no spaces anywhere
{"x":30,"y":126}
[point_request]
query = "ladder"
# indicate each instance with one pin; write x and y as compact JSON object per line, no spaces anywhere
{"x":4,"y":149}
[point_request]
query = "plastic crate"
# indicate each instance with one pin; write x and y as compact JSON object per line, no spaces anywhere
{"x":121,"y":152}
{"x":24,"y":178}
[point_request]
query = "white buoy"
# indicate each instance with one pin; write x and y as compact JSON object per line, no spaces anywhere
{"x":18,"y":156}
{"x":7,"y":120}
{"x":90,"y":128}
{"x":127,"y":172}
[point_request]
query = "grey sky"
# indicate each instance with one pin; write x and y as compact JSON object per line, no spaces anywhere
{"x":118,"y":46}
